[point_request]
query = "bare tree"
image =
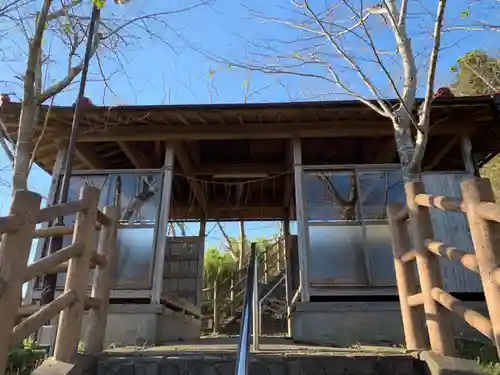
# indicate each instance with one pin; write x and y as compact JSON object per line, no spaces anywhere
{"x":66,"y":22}
{"x":346,"y":42}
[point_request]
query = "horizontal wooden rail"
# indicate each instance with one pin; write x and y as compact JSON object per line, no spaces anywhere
{"x":488,"y":211}
{"x":43,"y":314}
{"x":439,"y":201}
{"x":409,"y":256}
{"x":27,"y":310}
{"x":475,"y":319}
{"x":416,"y":299}
{"x":58,"y":262}
{"x":58,"y":231}
{"x":61,"y":210}
{"x":63,"y":267}
{"x":468,"y":260}
{"x":46,"y":264}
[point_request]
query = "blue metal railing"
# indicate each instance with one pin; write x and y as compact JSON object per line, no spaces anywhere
{"x":249,"y":314}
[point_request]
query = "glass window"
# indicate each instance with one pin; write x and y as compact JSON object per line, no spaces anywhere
{"x":331,"y":196}
{"x":377,"y":189}
{"x":139,"y":195}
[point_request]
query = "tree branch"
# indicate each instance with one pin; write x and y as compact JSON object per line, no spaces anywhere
{"x":384,"y":107}
{"x":73,"y":73}
{"x":63,"y":11}
{"x":425,"y":108}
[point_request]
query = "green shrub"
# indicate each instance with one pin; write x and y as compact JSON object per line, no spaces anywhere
{"x":24,"y":359}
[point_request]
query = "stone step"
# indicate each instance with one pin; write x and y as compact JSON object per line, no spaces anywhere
{"x":261,"y":364}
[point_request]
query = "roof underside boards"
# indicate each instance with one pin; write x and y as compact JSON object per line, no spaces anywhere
{"x":250,"y":139}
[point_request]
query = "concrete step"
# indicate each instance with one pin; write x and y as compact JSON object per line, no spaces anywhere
{"x":262,"y":363}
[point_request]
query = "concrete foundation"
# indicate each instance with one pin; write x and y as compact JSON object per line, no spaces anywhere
{"x":146,"y":325}
{"x":177,"y":326}
{"x":130,"y":324}
{"x":350,"y":323}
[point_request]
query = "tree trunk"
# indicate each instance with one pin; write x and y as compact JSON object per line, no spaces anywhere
{"x":24,"y":144}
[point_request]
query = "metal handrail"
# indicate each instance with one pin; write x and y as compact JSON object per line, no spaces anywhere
{"x":249,"y":313}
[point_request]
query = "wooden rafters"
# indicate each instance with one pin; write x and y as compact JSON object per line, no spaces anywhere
{"x":136,"y":157}
{"x":189,"y":170}
{"x":443,"y":152}
{"x":221,"y":168}
{"x":254,"y":212}
{"x":87,"y":155}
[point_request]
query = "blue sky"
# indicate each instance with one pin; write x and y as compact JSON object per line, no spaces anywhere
{"x":170,"y":63}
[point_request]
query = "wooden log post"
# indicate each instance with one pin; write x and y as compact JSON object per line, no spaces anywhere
{"x":216,"y":325}
{"x":96,"y":328}
{"x":413,"y":318}
{"x":438,"y":319}
{"x":232,"y":294}
{"x":266,"y":263}
{"x":486,"y":238}
{"x":70,"y":320}
{"x":14,"y":252}
{"x":288,"y":273}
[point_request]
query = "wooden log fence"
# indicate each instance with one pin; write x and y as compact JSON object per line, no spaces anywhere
{"x":225,"y":301}
{"x":18,"y":231}
{"x":427,"y":308}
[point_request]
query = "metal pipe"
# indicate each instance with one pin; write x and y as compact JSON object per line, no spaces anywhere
{"x":247,"y":314}
{"x":255,"y":302}
{"x":273,"y":288}
{"x":55,"y":244}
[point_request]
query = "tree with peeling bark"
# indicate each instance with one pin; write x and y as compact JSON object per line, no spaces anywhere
{"x":346,"y":44}
{"x":66,"y":23}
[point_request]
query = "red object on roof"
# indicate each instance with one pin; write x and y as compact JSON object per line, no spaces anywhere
{"x":444,"y":92}
{"x":4,"y":99}
{"x":84,"y":102}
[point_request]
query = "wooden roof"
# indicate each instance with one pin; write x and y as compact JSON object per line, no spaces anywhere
{"x":252,"y":138}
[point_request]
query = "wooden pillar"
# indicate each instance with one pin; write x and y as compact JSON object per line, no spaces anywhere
{"x":216,"y":316}
{"x":201,"y":260}
{"x":288,"y":273}
{"x":70,"y":320}
{"x":486,"y":238}
{"x":96,"y":328}
{"x":232,"y":302}
{"x":266,"y":263}
{"x":466,"y":147}
{"x":14,"y":252}
{"x":438,"y":319}
{"x":413,"y":319}
{"x":302,"y":224}
{"x":243,"y":254}
{"x":161,"y":241}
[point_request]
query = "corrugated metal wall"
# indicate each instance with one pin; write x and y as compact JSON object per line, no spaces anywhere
{"x":452,"y":229}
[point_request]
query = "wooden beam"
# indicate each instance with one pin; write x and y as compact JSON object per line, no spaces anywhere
{"x":220,"y":168}
{"x":87,"y":155}
{"x":169,"y":132}
{"x":232,"y":213}
{"x":188,"y":168}
{"x":442,"y":153}
{"x":136,"y":157}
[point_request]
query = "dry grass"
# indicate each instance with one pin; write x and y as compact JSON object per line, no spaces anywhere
{"x":492,"y":172}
